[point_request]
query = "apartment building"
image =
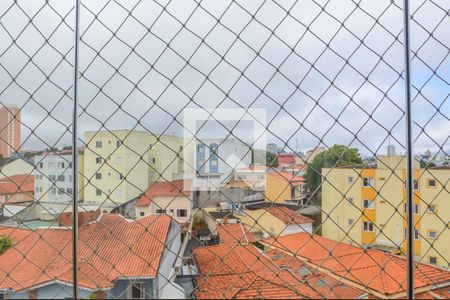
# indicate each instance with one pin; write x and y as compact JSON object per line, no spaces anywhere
{"x":119,"y":165}
{"x":9,"y":130}
{"x":53,"y":177}
{"x":366,"y":206}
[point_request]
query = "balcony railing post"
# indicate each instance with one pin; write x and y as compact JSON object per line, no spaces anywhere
{"x":75,"y":152}
{"x":409,"y":154}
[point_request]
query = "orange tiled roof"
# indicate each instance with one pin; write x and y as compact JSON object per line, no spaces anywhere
{"x":104,"y":252}
{"x":288,"y":216}
{"x":326,"y":286}
{"x":235,"y":233}
{"x":288,"y":177}
{"x":22,"y":183}
{"x":164,"y":188}
{"x":242,"y":271}
{"x":381,"y":272}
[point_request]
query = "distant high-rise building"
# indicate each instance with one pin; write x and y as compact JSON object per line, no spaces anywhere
{"x":9,"y":130}
{"x":391,"y":150}
{"x":272,"y":148}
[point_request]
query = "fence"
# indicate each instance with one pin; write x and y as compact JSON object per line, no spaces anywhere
{"x":224,"y":149}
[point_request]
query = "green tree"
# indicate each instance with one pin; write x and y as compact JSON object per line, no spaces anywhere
{"x":5,"y":243}
{"x":338,"y":155}
{"x":271,"y":159}
{"x":424,"y":164}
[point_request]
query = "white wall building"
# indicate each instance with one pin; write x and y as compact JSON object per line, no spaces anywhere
{"x":216,"y":159}
{"x":53,"y":177}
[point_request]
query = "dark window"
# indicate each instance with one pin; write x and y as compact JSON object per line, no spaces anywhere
{"x":98,"y":175}
{"x":142,"y":213}
{"x":181,"y":212}
{"x":98,"y":160}
{"x":98,"y":144}
{"x":98,"y":192}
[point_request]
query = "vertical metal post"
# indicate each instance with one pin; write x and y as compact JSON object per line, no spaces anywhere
{"x":409,"y":155}
{"x":75,"y":153}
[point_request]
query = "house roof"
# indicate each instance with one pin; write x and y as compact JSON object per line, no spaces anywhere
{"x":235,"y":233}
{"x":22,"y":183}
{"x":252,"y":168}
{"x":163,"y":188}
{"x":325,"y":285}
{"x":109,"y":248}
{"x":379,"y":271}
{"x":287,"y":176}
{"x":288,"y":216}
{"x":243,"y":271}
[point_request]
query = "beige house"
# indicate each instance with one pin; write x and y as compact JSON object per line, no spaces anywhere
{"x":275,"y":221}
{"x":15,"y":166}
{"x":166,"y":197}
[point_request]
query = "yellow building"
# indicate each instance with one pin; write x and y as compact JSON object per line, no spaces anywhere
{"x":283,"y":186}
{"x":366,"y":206}
{"x":119,"y":165}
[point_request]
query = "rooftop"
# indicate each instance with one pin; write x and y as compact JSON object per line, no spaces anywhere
{"x":235,"y":233}
{"x":104,"y":252}
{"x":288,"y":216}
{"x":382,"y":273}
{"x":163,"y":189}
{"x":243,"y":271}
{"x":286,"y":176}
{"x":22,"y":183}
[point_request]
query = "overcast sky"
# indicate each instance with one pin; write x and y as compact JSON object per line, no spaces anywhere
{"x":322,"y":69}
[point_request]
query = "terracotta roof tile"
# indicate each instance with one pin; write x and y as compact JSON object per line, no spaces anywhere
{"x":382,"y":272}
{"x":235,"y":233}
{"x":287,"y":176}
{"x":164,"y":188}
{"x":104,"y":252}
{"x":288,"y":216}
{"x":23,"y":183}
{"x":240,"y":271}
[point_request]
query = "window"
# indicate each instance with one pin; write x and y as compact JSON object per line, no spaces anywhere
{"x":416,"y":234}
{"x":350,"y":222}
{"x":432,"y":234}
{"x":119,"y":193}
{"x":98,"y":160}
{"x":61,"y":165}
{"x":142,"y":213}
{"x":368,"y":226}
{"x":350,"y":179}
{"x":118,"y":143}
{"x":181,"y":212}
{"x":431,"y":183}
{"x":368,"y":182}
{"x":119,"y":160}
{"x":171,"y":212}
{"x":53,"y":191}
{"x":98,"y":144}
{"x":52,"y":178}
{"x":368,"y":204}
{"x":153,"y":160}
{"x":350,"y":200}
{"x":432,"y":260}
{"x":61,"y":178}
{"x":98,"y":192}
{"x":160,"y":211}
{"x":432,"y":208}
{"x":415,"y":184}
{"x":98,"y":175}
{"x":60,"y":191}
{"x":416,"y":209}
{"x":69,"y":191}
{"x":119,"y":176}
{"x":136,"y":290}
{"x":41,"y":165}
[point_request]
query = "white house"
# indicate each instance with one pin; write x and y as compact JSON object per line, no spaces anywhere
{"x":166,"y":197}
